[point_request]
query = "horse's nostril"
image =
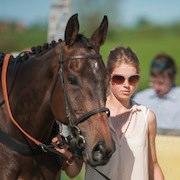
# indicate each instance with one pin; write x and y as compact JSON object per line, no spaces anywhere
{"x":99,"y":151}
{"x":100,"y":146}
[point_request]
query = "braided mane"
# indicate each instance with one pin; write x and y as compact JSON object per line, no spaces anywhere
{"x":36,"y":50}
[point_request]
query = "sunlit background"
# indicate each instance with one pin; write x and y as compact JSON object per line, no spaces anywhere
{"x":148,"y":27}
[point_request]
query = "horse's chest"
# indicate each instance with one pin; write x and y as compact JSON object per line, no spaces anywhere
{"x":14,"y":166}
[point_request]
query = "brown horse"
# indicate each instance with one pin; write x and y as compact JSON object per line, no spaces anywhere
{"x":63,"y":81}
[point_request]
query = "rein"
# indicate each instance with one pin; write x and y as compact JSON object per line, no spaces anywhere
{"x":44,"y":147}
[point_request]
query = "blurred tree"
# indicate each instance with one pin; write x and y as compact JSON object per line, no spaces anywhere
{"x":143,"y":22}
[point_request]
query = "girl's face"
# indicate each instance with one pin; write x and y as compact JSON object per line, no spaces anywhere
{"x":124,"y":81}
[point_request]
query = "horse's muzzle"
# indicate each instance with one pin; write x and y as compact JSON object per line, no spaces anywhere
{"x":101,"y":154}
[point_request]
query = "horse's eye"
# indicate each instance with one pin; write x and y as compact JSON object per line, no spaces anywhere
{"x":73,"y":80}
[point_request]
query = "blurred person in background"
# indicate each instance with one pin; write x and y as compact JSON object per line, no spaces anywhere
{"x":163,"y":97}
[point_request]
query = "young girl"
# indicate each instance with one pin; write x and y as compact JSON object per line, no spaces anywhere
{"x":133,"y":126}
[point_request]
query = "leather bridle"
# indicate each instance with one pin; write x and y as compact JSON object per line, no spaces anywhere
{"x":76,"y":140}
{"x":72,"y":119}
{"x":77,"y":144}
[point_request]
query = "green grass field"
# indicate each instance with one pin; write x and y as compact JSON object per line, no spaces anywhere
{"x":12,"y":40}
{"x":145,"y":42}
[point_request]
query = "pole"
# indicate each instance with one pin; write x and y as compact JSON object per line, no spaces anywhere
{"x":59,"y":14}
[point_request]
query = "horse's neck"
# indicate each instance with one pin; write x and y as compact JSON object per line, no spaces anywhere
{"x":29,"y":99}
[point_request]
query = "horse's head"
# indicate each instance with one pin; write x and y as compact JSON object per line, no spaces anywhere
{"x":79,"y":92}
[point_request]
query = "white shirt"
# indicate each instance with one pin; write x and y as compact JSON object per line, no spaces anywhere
{"x":166,"y":108}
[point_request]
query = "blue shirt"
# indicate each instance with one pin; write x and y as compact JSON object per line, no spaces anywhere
{"x":166,"y":108}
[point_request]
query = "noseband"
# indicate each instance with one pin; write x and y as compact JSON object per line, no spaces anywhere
{"x":76,"y":141}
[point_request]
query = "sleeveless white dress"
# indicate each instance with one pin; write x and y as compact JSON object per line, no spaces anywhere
{"x":130,"y":160}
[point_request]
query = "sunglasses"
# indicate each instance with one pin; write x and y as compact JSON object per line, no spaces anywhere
{"x":119,"y":79}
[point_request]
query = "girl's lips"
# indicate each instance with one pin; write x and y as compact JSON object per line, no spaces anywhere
{"x":125,"y":92}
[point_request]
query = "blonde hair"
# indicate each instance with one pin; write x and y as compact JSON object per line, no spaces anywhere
{"x":121,"y":55}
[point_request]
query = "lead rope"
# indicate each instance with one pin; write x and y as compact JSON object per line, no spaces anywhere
{"x":6,"y":99}
{"x":43,"y":147}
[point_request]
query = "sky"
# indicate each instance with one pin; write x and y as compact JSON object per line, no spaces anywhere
{"x":158,"y":11}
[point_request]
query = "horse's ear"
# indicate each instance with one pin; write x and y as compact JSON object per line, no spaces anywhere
{"x":72,"y":29}
{"x":99,"y":36}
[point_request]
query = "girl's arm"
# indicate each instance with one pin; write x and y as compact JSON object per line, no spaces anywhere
{"x":155,"y":172}
{"x":73,"y":168}
{"x":71,"y":165}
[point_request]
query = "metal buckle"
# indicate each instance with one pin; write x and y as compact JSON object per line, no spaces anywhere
{"x":43,"y":148}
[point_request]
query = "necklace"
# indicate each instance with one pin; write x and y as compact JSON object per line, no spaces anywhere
{"x":128,"y":123}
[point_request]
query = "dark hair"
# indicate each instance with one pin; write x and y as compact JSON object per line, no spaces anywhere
{"x":163,"y":63}
{"x":121,"y":55}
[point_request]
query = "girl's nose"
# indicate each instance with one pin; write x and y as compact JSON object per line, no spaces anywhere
{"x":126,"y":83}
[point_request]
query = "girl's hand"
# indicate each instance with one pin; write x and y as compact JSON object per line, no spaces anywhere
{"x":62,"y":149}
{"x":71,"y":165}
